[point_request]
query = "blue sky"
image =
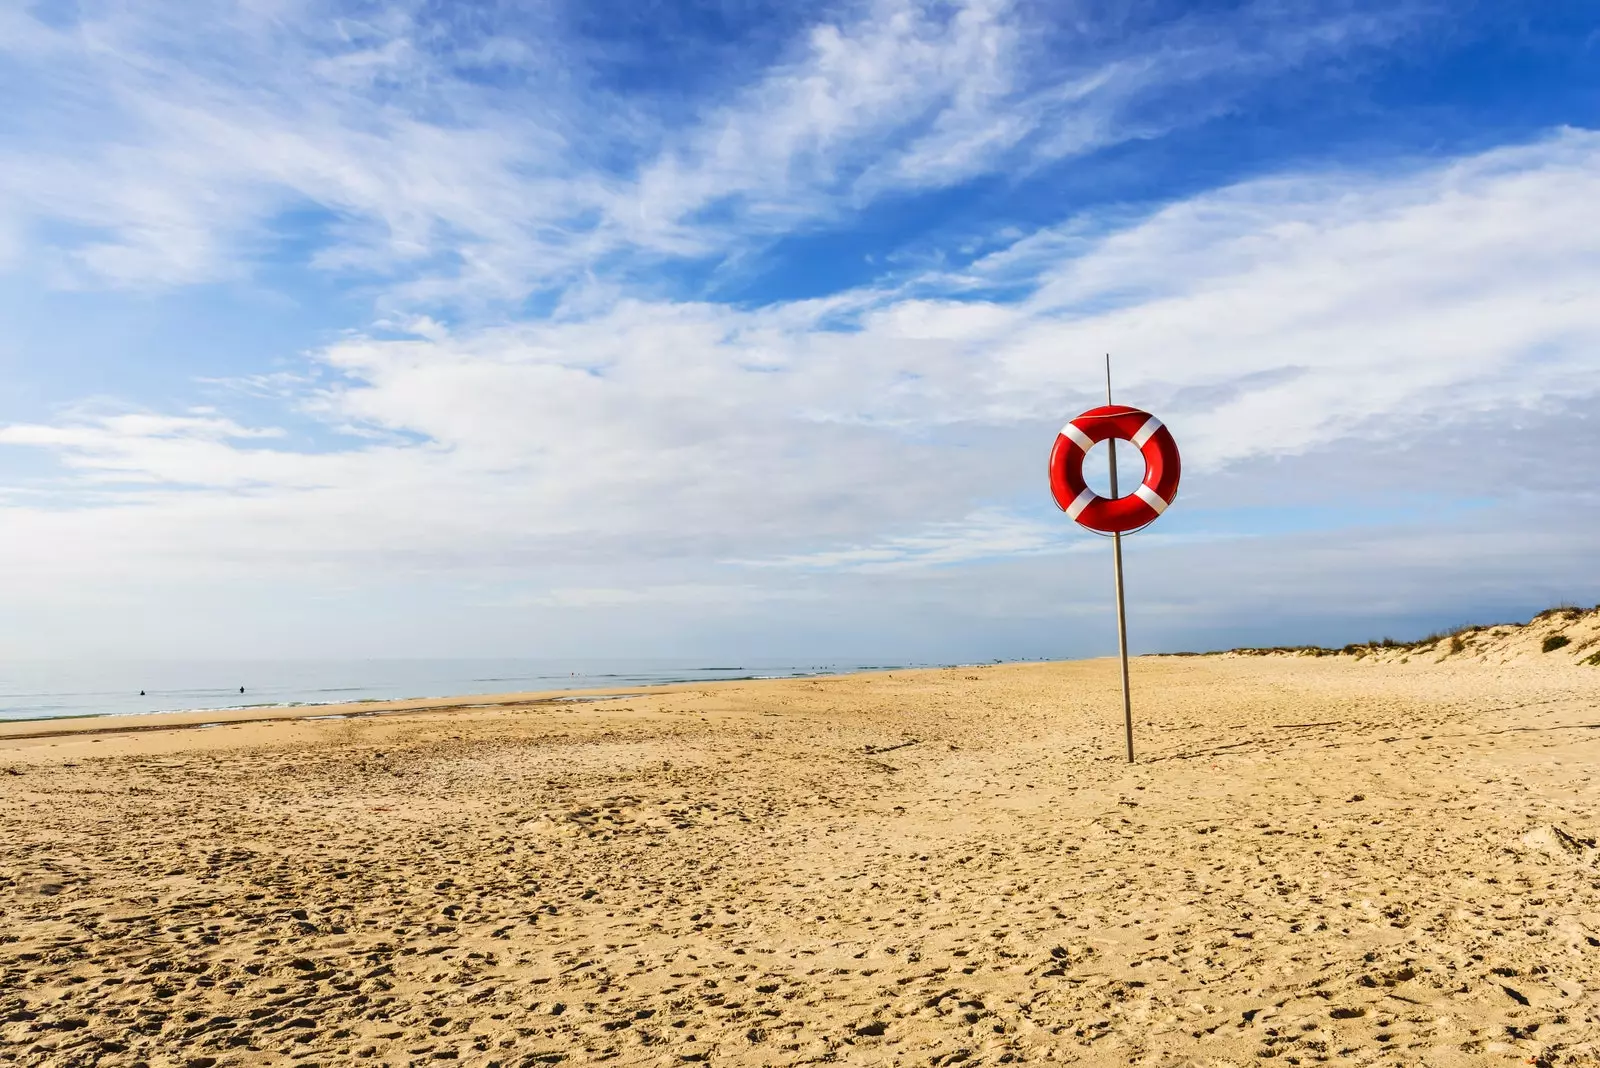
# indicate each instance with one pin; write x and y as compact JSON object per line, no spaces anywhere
{"x":691,"y":328}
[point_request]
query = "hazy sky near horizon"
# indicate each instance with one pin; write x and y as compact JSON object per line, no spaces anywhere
{"x":744,"y":328}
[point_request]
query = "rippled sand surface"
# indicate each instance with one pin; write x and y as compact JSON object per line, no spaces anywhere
{"x":1315,"y":860}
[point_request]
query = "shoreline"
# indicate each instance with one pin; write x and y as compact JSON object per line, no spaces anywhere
{"x":369,"y":708}
{"x":130,"y":723}
{"x":12,"y":727}
{"x":1513,"y":645}
{"x":1572,"y":633}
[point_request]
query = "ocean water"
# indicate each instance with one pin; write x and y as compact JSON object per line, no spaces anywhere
{"x":51,"y":689}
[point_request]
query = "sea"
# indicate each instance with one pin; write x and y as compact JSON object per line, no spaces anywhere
{"x":59,"y":689}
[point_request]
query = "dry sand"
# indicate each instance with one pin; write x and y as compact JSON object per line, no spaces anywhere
{"x":1316,"y":859}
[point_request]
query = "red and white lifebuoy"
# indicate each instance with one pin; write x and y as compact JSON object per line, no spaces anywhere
{"x":1122,"y":514}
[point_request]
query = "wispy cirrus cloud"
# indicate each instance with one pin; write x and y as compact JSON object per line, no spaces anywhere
{"x":441,"y":158}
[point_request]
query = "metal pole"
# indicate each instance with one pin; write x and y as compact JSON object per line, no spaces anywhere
{"x":1122,"y":613}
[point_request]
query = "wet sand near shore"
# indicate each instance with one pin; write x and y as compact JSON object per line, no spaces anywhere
{"x":1314,"y":860}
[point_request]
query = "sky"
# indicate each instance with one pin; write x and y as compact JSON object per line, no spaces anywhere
{"x":694,"y":328}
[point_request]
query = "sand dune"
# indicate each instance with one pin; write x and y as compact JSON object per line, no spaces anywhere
{"x":1316,"y":859}
{"x":1555,"y":636}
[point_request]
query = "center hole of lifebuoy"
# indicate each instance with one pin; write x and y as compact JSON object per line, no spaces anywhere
{"x":1097,"y":468}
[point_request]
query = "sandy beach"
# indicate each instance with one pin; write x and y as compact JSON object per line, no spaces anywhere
{"x":1363,"y":860}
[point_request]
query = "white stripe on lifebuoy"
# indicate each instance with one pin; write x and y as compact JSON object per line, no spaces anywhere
{"x":1145,"y":433}
{"x":1145,"y":493}
{"x":1079,"y":438}
{"x":1075,"y":509}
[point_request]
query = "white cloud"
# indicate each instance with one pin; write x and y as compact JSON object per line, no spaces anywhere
{"x":170,"y":141}
{"x":700,"y":597}
{"x":1447,"y":290}
{"x":790,"y":144}
{"x":1332,"y":308}
{"x":167,"y":145}
{"x":983,"y":535}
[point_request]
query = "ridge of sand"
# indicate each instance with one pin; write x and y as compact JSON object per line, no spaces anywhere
{"x":1315,"y":860}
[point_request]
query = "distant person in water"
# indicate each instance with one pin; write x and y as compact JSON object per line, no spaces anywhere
{"x":241,"y":689}
{"x":141,"y":693}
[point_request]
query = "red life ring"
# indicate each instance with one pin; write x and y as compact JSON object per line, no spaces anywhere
{"x":1161,"y":469}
